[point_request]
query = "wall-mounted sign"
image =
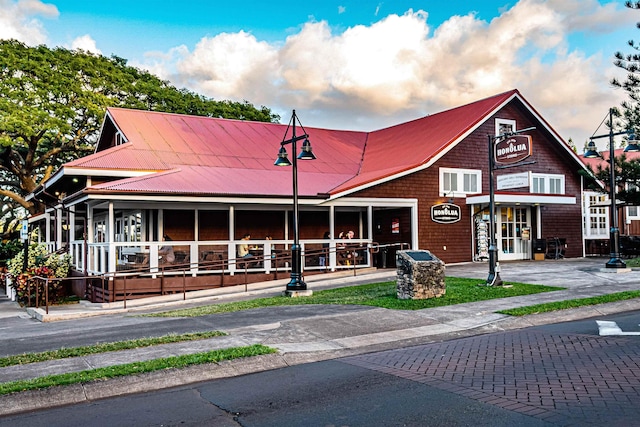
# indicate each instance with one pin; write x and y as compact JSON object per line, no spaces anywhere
{"x":395,"y":226}
{"x":445,"y":213}
{"x":512,"y":180}
{"x":513,"y":149}
{"x":24,"y":230}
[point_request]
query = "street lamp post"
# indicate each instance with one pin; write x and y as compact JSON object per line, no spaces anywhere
{"x":493,"y":279}
{"x":614,"y":231}
{"x":296,"y":283}
{"x":494,"y":268}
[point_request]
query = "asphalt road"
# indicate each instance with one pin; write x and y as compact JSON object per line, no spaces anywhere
{"x":30,"y":336}
{"x":318,"y":394}
{"x":554,"y":375}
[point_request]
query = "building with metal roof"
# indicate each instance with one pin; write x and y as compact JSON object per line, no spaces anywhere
{"x":206,"y":182}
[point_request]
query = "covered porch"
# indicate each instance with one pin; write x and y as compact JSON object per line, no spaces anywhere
{"x":132,"y":240}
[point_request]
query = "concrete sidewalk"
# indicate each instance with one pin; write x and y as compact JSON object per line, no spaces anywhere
{"x":312,"y":333}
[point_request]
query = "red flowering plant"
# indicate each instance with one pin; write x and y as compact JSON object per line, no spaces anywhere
{"x":32,"y":281}
{"x":31,"y":285}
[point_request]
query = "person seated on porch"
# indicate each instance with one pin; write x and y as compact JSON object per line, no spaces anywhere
{"x":243,"y":248}
{"x":165,"y":253}
{"x":272,"y":247}
{"x":350,"y":255}
{"x":340,"y":248}
{"x":244,"y":252}
{"x":322,"y":259}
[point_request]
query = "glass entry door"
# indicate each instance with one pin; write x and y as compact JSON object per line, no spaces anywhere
{"x":513,"y":223}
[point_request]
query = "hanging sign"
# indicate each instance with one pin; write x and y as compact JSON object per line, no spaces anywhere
{"x":513,"y":149}
{"x":445,"y":213}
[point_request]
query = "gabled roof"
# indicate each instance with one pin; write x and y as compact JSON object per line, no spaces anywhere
{"x":191,"y":155}
{"x":409,"y":146}
{"x":218,"y":156}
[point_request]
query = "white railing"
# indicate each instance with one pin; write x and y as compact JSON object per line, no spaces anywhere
{"x":217,"y":256}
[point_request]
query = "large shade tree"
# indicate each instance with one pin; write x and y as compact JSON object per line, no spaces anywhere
{"x":52,"y":102}
{"x":627,"y":171}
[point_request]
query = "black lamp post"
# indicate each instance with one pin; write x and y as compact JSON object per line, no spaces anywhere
{"x":296,"y":283}
{"x":614,"y":232}
{"x":494,"y":274}
{"x":494,"y":270}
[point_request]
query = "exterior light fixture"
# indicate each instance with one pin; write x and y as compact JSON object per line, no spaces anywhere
{"x":591,"y":152}
{"x":296,"y":283}
{"x":632,"y":144}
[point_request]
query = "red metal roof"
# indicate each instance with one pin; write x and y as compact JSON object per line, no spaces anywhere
{"x":410,"y":145}
{"x":210,"y":156}
{"x":604,"y":162}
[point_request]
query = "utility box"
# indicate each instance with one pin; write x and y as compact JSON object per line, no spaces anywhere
{"x":420,"y":275}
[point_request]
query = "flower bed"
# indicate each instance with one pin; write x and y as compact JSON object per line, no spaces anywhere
{"x":29,"y":284}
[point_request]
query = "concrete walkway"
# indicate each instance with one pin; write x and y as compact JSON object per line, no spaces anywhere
{"x":308,"y":333}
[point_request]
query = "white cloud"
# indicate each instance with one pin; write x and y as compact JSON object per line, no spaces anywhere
{"x":18,"y":20}
{"x":235,"y":66}
{"x":397,"y":68}
{"x":85,"y":43}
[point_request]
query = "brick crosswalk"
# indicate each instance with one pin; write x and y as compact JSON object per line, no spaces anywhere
{"x":563,"y":379}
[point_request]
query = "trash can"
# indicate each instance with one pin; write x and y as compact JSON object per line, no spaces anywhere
{"x":539,"y":249}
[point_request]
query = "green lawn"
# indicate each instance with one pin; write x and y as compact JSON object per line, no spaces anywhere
{"x":459,"y":290}
{"x":63,"y":353}
{"x":574,"y":303}
{"x":135,"y":368}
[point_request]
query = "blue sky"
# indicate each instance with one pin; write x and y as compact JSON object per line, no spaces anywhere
{"x":356,"y":64}
{"x":117,"y":23}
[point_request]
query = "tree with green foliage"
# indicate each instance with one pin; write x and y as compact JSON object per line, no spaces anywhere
{"x":631,"y":85}
{"x":53,"y":101}
{"x":627,"y":171}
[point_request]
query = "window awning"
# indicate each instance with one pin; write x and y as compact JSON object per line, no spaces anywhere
{"x":523,"y":199}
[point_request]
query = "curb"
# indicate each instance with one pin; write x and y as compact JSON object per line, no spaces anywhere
{"x":31,"y":400}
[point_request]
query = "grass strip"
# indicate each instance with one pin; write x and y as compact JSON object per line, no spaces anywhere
{"x":458,"y":291}
{"x":574,"y":303}
{"x":135,"y":368}
{"x":63,"y":353}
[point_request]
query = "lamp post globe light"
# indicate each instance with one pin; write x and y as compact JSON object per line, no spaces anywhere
{"x":296,"y":285}
{"x":614,"y":232}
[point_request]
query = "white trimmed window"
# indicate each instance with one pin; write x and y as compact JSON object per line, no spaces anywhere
{"x":460,"y":182}
{"x":596,"y":219}
{"x":633,"y":212}
{"x":547,"y":183}
{"x":505,"y":125}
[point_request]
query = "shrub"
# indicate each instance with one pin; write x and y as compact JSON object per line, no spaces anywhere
{"x":8,"y":250}
{"x":40,"y":263}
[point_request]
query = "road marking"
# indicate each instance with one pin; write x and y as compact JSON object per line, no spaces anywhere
{"x":611,"y":328}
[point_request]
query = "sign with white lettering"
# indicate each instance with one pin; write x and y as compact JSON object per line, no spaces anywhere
{"x":513,"y":180}
{"x":513,"y":149}
{"x":445,"y":213}
{"x":24,"y":230}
